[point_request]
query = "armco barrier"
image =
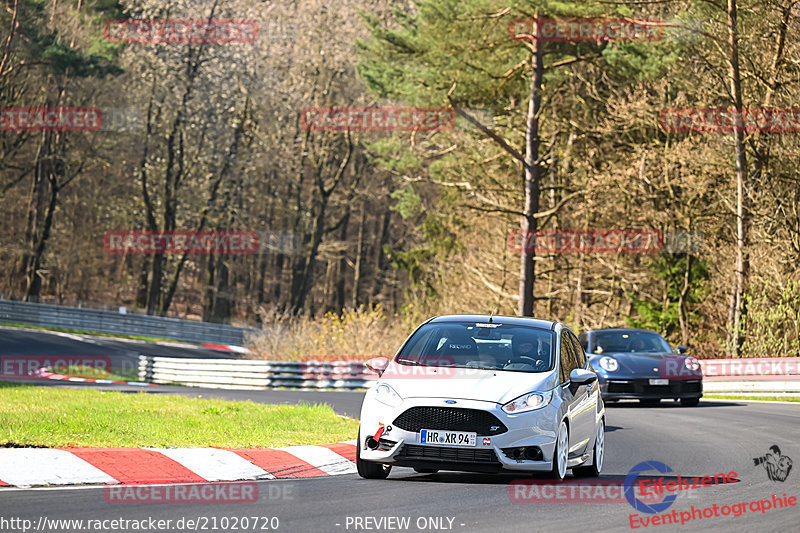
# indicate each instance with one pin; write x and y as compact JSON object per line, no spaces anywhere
{"x":721,"y":375}
{"x":756,"y":375}
{"x":125,"y":324}
{"x":249,"y":374}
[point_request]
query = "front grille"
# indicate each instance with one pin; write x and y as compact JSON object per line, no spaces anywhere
{"x":621,"y":387}
{"x":472,"y":455}
{"x":450,"y":418}
{"x":643,"y":387}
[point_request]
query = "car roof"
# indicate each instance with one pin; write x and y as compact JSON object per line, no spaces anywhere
{"x":622,"y":329}
{"x":497,"y":319}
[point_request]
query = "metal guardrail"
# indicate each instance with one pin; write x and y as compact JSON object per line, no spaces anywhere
{"x":758,"y":375}
{"x":251,"y":374}
{"x":126,"y":324}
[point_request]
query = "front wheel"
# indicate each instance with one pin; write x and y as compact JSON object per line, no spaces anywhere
{"x":689,"y":402}
{"x":368,"y":469}
{"x":560,"y":452}
{"x":597,"y":456}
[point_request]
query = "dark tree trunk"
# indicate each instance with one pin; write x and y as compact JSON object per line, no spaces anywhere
{"x":531,"y":183}
{"x":379,"y":274}
{"x":359,"y":256}
{"x":742,"y":262}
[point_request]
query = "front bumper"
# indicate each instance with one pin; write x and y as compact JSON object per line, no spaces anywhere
{"x":401,"y":447}
{"x":640,"y":388}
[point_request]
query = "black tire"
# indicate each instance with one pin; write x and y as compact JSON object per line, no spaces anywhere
{"x":425,"y":470}
{"x":689,"y":402}
{"x":368,"y":469}
{"x":650,"y":402}
{"x":560,"y":450}
{"x":598,"y":456}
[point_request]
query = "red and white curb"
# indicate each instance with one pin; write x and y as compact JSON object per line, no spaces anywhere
{"x":30,"y":467}
{"x":60,"y":377}
{"x":226,"y":347}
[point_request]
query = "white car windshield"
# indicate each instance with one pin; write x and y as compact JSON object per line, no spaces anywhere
{"x":480,"y":345}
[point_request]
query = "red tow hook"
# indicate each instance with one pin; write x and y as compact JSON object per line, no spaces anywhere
{"x":374,"y":441}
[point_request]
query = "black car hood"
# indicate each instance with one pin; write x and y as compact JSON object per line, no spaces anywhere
{"x":642,"y":364}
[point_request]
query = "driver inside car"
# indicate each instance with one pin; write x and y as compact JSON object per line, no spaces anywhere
{"x":526,"y":354}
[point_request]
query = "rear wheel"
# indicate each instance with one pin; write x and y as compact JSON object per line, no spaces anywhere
{"x":560,"y":452}
{"x":650,"y":402}
{"x":368,"y":469}
{"x":426,"y":470}
{"x":597,"y":456}
{"x":689,"y":402}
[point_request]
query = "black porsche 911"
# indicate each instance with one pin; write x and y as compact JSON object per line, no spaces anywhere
{"x":640,"y":364}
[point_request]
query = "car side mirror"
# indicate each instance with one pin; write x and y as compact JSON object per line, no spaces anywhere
{"x":580,"y":376}
{"x":682,"y":349}
{"x":377,"y":364}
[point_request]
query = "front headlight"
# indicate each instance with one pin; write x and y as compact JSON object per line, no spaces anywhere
{"x":609,"y":364}
{"x":692,"y":364}
{"x":387,"y":395}
{"x":528,"y":402}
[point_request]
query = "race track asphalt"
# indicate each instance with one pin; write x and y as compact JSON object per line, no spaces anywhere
{"x":715,"y":437}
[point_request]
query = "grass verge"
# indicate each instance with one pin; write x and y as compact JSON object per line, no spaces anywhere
{"x":760,"y":398}
{"x":58,"y":417}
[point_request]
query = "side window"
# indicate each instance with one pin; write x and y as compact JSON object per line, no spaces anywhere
{"x":567,"y":358}
{"x":581,"y":355}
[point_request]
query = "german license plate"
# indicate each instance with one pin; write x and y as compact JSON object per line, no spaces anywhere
{"x":447,"y":438}
{"x":659,"y":382}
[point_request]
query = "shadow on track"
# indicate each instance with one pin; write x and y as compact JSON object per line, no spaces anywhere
{"x":668,"y":404}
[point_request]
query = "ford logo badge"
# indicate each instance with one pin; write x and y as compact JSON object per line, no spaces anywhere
{"x":451,"y":402}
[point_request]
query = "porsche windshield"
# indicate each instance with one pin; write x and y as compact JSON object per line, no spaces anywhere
{"x":476,"y":345}
{"x":629,"y":341}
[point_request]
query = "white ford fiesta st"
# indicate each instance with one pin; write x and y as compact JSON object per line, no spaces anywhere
{"x":484,"y":393}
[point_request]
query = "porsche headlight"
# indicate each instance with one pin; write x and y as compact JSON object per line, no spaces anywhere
{"x":609,"y":364}
{"x":692,"y":364}
{"x":528,"y":402}
{"x":387,"y":395}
